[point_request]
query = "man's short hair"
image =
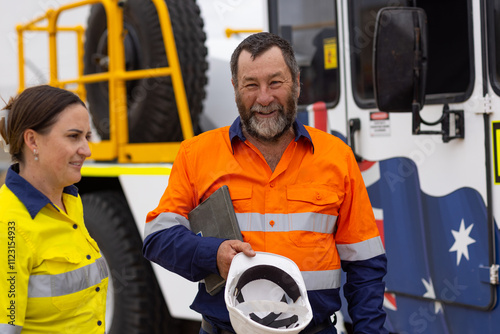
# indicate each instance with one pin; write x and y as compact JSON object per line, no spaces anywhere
{"x":257,"y":44}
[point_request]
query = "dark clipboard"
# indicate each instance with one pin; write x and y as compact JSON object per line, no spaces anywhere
{"x":215,"y":217}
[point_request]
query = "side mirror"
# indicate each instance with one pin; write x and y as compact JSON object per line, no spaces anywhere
{"x":400,"y":59}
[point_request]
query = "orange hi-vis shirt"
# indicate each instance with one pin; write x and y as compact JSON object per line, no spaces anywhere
{"x":313,"y":209}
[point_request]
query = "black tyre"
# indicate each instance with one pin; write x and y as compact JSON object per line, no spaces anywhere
{"x":136,"y":304}
{"x":152,"y":110}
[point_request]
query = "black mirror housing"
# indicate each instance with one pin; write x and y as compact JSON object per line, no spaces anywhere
{"x":400,"y":59}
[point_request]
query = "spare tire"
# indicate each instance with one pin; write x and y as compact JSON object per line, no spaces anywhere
{"x":152,"y":109}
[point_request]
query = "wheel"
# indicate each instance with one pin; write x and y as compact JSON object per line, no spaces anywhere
{"x":152,"y":110}
{"x":136,"y":304}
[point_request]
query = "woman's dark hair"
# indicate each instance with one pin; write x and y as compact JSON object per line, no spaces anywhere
{"x":36,"y":108}
{"x":259,"y":43}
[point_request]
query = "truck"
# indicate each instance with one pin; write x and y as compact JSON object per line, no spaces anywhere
{"x":412,"y":86}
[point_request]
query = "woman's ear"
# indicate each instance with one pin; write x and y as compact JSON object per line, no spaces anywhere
{"x":30,"y":139}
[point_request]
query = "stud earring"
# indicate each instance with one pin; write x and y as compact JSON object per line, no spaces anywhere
{"x":35,"y":153}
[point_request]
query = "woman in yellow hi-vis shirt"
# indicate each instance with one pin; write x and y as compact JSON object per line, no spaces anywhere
{"x":53,"y":278}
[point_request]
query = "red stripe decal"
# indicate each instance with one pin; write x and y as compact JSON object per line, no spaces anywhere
{"x":319,"y":109}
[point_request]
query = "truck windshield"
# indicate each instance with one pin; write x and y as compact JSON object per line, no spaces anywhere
{"x":311,"y":27}
{"x":450,"y":67}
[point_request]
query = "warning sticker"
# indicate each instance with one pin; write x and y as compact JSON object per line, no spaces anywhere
{"x":496,"y":150}
{"x":330,"y":53}
{"x":380,"y":124}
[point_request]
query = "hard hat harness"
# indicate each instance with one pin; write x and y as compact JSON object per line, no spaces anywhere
{"x":280,"y":278}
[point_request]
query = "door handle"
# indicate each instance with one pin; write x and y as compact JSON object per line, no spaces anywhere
{"x":354,"y":125}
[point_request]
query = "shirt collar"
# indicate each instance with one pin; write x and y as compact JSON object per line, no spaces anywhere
{"x":235,"y":131}
{"x":31,"y":197}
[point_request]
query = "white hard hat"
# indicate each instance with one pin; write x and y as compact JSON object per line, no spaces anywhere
{"x":266,"y":294}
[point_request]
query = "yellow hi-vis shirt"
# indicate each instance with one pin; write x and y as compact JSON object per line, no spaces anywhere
{"x":53,"y":278}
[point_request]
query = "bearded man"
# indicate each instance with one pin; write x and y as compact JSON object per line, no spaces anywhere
{"x":296,"y":191}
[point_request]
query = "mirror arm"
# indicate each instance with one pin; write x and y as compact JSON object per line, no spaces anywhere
{"x":440,"y":120}
{"x":458,"y":117}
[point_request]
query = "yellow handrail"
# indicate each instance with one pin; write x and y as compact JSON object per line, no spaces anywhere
{"x":118,"y":146}
{"x":230,"y":31}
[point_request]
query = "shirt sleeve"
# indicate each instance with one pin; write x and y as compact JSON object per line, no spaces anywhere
{"x":15,"y":273}
{"x":362,"y":255}
{"x":169,"y":241}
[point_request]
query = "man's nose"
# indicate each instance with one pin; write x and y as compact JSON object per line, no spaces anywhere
{"x":264,"y":96}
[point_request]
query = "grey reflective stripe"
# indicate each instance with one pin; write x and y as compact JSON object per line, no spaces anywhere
{"x":101,"y":263}
{"x":323,"y":279}
{"x":10,"y":329}
{"x":363,"y":250}
{"x":163,"y":221}
{"x":256,"y":222}
{"x":69,"y":282}
{"x":304,"y":221}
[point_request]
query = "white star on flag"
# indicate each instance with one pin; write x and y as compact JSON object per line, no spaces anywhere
{"x":462,"y":241}
{"x":429,"y":287}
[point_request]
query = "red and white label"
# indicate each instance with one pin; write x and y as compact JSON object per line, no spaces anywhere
{"x":380,"y":124}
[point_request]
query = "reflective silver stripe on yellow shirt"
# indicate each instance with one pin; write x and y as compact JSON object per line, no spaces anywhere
{"x":304,"y":221}
{"x":163,"y":221}
{"x":360,"y":251}
{"x":69,"y":282}
{"x":322,"y":279}
{"x":10,"y":329}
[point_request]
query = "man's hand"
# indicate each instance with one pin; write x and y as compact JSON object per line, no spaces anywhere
{"x":227,"y":250}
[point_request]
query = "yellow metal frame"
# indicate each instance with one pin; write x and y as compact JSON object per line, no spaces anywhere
{"x":118,"y":146}
{"x":230,"y":31}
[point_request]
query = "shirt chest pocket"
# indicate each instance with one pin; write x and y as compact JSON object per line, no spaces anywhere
{"x":67,"y":280}
{"x":62,"y":259}
{"x":241,"y":198}
{"x":313,"y":198}
{"x":314,"y":209}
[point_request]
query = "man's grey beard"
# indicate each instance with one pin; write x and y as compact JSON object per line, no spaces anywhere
{"x":267,"y":129}
{"x":271,"y":129}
